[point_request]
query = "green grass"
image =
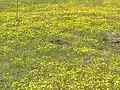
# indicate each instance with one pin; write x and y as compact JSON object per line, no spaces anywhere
{"x":60,"y":46}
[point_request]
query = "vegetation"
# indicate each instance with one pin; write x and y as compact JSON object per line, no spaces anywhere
{"x":60,"y":45}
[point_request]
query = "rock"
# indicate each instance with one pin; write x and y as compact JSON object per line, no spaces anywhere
{"x":111,"y":37}
{"x":112,"y":40}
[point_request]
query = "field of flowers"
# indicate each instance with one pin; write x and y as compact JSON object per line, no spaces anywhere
{"x":60,"y":46}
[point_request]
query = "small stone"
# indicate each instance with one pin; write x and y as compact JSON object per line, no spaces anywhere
{"x":114,"y":40}
{"x":111,"y":37}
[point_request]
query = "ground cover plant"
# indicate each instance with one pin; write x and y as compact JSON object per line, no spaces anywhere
{"x":60,"y":45}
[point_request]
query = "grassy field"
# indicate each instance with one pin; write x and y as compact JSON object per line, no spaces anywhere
{"x":60,"y":45}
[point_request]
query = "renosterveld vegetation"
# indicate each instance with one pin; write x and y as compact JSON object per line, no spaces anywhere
{"x":60,"y":46}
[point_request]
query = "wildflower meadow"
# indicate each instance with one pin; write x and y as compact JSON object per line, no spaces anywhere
{"x":60,"y":45}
